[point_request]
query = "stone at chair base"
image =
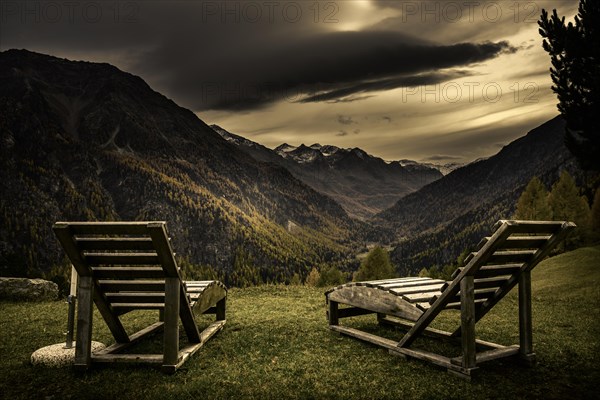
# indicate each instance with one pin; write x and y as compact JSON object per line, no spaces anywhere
{"x":56,"y":355}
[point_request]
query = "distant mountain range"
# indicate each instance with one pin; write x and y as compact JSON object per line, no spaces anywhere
{"x":436,"y":223}
{"x":363,"y":184}
{"x":86,"y":141}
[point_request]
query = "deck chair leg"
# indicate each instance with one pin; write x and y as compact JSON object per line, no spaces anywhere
{"x":221,"y":308}
{"x":467,"y":321}
{"x":171,"y":327}
{"x":525,"y":322}
{"x":332,"y":313}
{"x":83,"y":345}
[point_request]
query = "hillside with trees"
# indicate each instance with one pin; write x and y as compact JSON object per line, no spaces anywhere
{"x":86,"y":141}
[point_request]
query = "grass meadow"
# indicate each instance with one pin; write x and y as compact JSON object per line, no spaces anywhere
{"x":276,"y":345}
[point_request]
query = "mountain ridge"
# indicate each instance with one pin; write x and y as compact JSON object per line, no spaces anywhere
{"x":86,"y":141}
{"x":435,"y":224}
{"x":363,"y":184}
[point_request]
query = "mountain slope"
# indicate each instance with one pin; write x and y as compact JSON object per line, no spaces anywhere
{"x":361,"y":183}
{"x":437,"y":222}
{"x":86,"y":141}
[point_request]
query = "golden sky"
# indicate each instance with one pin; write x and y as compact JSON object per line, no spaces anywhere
{"x":434,"y":81}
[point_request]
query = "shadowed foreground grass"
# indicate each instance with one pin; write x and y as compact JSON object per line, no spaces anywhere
{"x":276,"y":345}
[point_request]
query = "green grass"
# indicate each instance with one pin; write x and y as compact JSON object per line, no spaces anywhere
{"x":276,"y":345}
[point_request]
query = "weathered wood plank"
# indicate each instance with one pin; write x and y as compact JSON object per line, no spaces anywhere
{"x":211,"y":294}
{"x":163,"y":248}
{"x":525,"y":317}
{"x":367,"y":337}
{"x":127,"y":272}
{"x":138,"y":306}
{"x":457,"y":304}
{"x":489,"y":355}
{"x":525,"y":242}
{"x":111,"y":243}
{"x":375,"y":300}
{"x":511,"y":256}
{"x":421,"y":297}
{"x":171,"y":327}
{"x":406,"y":283}
{"x":137,"y":285}
{"x":467,"y":321}
{"x":333,"y":312}
{"x":128,"y":358}
{"x":83,"y":344}
{"x":221,"y":309}
{"x":434,"y":287}
{"x":121,"y":259}
{"x":491,"y":282}
{"x":108,"y":228}
{"x":488,"y":271}
{"x":135,"y":297}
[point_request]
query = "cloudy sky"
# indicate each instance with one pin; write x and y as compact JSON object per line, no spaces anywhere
{"x":439,"y":81}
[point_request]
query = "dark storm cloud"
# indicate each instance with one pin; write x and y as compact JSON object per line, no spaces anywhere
{"x":323,"y":67}
{"x":457,"y":21}
{"x":210,"y":55}
{"x":384,"y":84}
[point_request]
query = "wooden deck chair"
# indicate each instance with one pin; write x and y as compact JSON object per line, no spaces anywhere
{"x":125,"y":266}
{"x":503,"y":260}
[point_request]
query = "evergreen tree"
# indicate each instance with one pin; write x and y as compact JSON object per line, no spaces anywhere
{"x":331,"y":276}
{"x":376,"y":265}
{"x":313,"y":277}
{"x":533,"y":203}
{"x":568,"y":205}
{"x":574,"y":51}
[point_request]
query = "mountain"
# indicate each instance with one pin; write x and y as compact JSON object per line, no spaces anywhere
{"x":445,"y":169}
{"x":363,"y":184}
{"x":435,"y":224}
{"x":86,"y":141}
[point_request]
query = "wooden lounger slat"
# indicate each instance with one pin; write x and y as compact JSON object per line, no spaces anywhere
{"x":513,"y":256}
{"x":434,"y":287}
{"x":128,"y":272}
{"x":492,"y":282}
{"x":421,"y":282}
{"x":139,"y":306}
{"x":136,"y":297}
{"x":488,"y":271}
{"x":421,"y":297}
{"x":138,"y":285}
{"x":109,"y":243}
{"x":518,"y":242}
{"x":121,"y":258}
{"x":128,"y":358}
{"x":108,"y":228}
{"x":456,"y":305}
{"x":395,"y":282}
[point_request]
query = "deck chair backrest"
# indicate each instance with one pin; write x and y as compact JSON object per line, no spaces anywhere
{"x":515,"y":247}
{"x":129,"y":263}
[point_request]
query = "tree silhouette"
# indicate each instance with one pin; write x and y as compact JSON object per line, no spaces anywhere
{"x":377,"y":265}
{"x":533,"y":203}
{"x":568,"y":205}
{"x":574,"y":50}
